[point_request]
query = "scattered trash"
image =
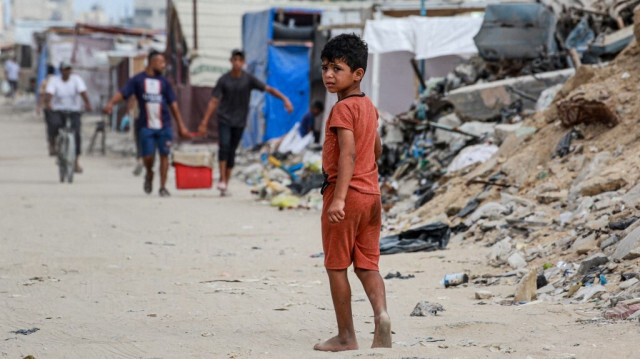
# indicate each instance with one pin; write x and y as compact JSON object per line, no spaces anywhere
{"x":422,"y":239}
{"x":452,"y":280}
{"x":398,"y":275}
{"x":564,"y":146}
{"x":317,"y":255}
{"x":424,"y":308}
{"x":623,"y":224}
{"x":25,"y":331}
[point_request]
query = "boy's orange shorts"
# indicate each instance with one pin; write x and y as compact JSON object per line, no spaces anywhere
{"x":356,"y":239}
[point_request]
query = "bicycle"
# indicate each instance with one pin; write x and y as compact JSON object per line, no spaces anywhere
{"x":66,"y":148}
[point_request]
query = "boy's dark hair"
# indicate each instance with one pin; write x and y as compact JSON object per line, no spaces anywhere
{"x":51,"y":70}
{"x":237,"y":52}
{"x":349,"y":48}
{"x":152,"y":55}
{"x":318,"y":106}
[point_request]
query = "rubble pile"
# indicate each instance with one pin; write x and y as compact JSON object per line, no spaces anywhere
{"x":284,"y":180}
{"x":558,"y":201}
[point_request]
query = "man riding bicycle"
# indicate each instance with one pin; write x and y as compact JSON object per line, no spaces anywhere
{"x":63,"y":97}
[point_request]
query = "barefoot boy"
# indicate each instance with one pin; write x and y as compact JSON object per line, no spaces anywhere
{"x":351,"y":215}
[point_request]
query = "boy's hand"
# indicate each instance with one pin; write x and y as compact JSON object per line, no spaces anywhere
{"x":336,"y":211}
{"x":202,"y":129}
{"x":288,"y":106}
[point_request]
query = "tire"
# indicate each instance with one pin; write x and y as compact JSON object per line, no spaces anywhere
{"x":61,"y":147}
{"x":70,"y":157}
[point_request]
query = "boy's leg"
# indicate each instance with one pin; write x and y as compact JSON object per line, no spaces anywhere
{"x":148,"y":146}
{"x":164,"y":169}
{"x":341,"y":295}
{"x":374,"y":287}
{"x":224,"y":143}
{"x":165,"y":137}
{"x":236,"y":137}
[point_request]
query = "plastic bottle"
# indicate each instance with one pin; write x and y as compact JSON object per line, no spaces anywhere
{"x":452,"y":280}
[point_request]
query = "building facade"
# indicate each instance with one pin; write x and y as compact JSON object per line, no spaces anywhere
{"x":150,"y":14}
{"x":41,"y":10}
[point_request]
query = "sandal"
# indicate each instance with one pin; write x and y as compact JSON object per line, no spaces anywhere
{"x":164,"y":193}
{"x":148,"y":182}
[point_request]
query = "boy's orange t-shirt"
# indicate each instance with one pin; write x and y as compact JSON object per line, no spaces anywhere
{"x":359,"y":115}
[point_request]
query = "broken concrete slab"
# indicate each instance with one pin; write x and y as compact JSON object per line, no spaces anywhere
{"x":517,"y":261}
{"x":597,"y":185}
{"x":482,"y":102}
{"x":628,"y":248}
{"x":628,"y":283}
{"x":551,"y":197}
{"x":593,"y":169}
{"x":547,"y":96}
{"x":583,"y":245}
{"x":586,"y":293}
{"x":591,"y":262}
{"x":632,"y":197}
{"x":527,"y":288}
{"x":503,"y":131}
{"x":483,"y":294}
{"x":491,"y":211}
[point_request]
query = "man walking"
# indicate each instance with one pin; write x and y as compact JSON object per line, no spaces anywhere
{"x":64,"y":96}
{"x":155,"y":100}
{"x":12,"y":73}
{"x":231,"y":98}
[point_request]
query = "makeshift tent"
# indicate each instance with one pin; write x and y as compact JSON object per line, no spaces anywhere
{"x":280,"y":57}
{"x":441,"y":41}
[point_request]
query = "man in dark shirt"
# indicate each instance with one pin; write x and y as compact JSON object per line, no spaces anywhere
{"x":155,"y":100}
{"x":231,"y":98}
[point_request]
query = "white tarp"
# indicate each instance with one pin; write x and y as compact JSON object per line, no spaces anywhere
{"x":426,"y":37}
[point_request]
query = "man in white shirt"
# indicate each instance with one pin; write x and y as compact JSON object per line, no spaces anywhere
{"x":12,"y":73}
{"x":64,"y":97}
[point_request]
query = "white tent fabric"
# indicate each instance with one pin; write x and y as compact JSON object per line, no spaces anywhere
{"x":426,"y":37}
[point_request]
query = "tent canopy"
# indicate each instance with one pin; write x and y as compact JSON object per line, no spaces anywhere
{"x":427,"y":38}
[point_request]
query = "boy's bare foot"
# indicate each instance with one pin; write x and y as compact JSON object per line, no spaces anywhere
{"x":382,"y":333}
{"x":337,"y":344}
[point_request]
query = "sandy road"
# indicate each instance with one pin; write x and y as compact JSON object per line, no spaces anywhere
{"x":105,"y":271}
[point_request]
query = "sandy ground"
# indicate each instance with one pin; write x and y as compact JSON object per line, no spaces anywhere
{"x":105,"y":271}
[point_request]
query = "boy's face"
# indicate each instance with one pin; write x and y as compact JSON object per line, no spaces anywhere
{"x":338,"y":76}
{"x":237,"y":63}
{"x":315,"y":111}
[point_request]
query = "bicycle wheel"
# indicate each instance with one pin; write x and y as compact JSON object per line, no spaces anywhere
{"x":61,"y":149}
{"x":71,"y":156}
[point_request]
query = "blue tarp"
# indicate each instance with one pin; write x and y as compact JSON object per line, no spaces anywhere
{"x":288,"y":72}
{"x":280,"y":65}
{"x":42,"y":68}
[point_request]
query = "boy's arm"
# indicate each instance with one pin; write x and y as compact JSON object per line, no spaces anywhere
{"x":211,"y":108}
{"x":87,"y":103}
{"x":273,"y":91}
{"x":377,"y":149}
{"x":346,"y":166}
{"x":182,"y":129}
{"x":115,"y":99}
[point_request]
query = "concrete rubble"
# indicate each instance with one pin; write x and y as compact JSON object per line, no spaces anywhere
{"x":557,"y":202}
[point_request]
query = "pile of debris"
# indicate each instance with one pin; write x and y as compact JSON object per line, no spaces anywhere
{"x":556,"y":202}
{"x":285,"y":180}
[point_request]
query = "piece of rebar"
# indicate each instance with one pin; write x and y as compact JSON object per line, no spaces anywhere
{"x":489,"y":183}
{"x":452,"y":129}
{"x":522,"y":94}
{"x":416,"y":70}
